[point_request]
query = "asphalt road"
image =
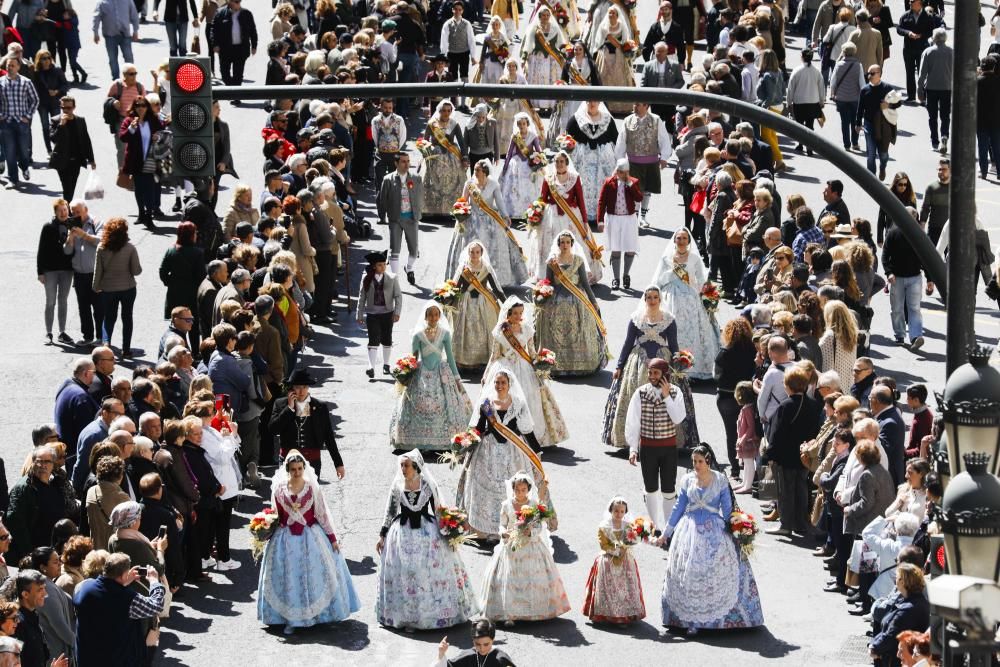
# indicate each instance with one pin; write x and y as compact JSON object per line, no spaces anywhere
{"x":216,"y":624}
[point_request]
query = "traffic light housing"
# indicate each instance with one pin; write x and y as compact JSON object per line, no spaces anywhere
{"x":191,"y":118}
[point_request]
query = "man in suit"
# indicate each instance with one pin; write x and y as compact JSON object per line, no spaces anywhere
{"x":379,"y":306}
{"x":660,"y":72}
{"x":235,"y":41}
{"x":303,"y":423}
{"x":400,"y":204}
{"x":891,"y":431}
{"x":617,"y":204}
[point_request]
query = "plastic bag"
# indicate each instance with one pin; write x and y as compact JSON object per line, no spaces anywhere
{"x":94,"y":189}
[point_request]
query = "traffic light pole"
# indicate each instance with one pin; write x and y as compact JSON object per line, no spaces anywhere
{"x":659,"y":96}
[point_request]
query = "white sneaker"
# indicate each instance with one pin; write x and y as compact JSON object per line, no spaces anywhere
{"x":208,"y":562}
{"x":230,"y":564}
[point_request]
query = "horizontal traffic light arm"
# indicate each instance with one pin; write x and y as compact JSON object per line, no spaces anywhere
{"x":847,"y":164}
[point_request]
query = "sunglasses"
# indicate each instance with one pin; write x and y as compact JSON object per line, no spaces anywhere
{"x":130,"y":73}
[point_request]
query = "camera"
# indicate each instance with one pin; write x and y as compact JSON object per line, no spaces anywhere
{"x":143,"y":571}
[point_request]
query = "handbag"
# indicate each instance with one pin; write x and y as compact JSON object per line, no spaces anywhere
{"x":734,"y":235}
{"x":768,"y":485}
{"x":94,"y":189}
{"x":196,"y":45}
{"x":124,"y":181}
{"x":697,"y":201}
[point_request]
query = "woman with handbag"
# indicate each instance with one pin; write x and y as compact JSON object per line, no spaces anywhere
{"x":720,"y":251}
{"x":136,"y":133}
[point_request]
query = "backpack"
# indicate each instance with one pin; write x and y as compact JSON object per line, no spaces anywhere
{"x":111,"y":116}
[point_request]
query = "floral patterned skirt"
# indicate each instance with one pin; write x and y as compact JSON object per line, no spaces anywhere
{"x":422,"y":582}
{"x":482,"y":485}
{"x":614,"y":591}
{"x":566,"y":326}
{"x":550,"y":428}
{"x":523,"y":585}
{"x":521,"y":186}
{"x":542,"y":70}
{"x":594,"y":166}
{"x":430,"y":411}
{"x":504,"y":255}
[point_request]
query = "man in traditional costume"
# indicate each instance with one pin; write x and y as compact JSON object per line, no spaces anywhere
{"x":457,"y":42}
{"x":616,"y":207}
{"x":654,"y":414}
{"x":389,"y":137}
{"x":303,"y":423}
{"x":400,"y":203}
{"x":646,"y":144}
{"x":380,"y":304}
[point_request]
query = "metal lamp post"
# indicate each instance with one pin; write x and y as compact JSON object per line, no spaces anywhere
{"x":971,"y":411}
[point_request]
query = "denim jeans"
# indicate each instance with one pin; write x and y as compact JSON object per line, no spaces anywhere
{"x":872,"y":149}
{"x":114,"y":44}
{"x":57,"y":286}
{"x":905,"y":295}
{"x":407,"y":74}
{"x":16,"y":147}
{"x":847,"y":111}
{"x":111,"y":300}
{"x":177,"y":32}
{"x":939,"y":104}
{"x":989,"y":147}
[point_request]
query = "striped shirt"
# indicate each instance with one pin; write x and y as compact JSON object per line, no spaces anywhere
{"x":806,"y":236}
{"x":18,"y":98}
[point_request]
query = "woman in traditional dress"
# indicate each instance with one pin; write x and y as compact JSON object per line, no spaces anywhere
{"x":505,"y":109}
{"x":614,"y":591}
{"x":495,"y":51}
{"x":522,"y":582}
{"x":434,"y":405}
{"x":507,"y":11}
{"x":541,"y":53}
{"x":304,"y":579}
{"x":514,"y":347}
{"x":566,"y":210}
{"x":507,"y":445}
{"x":520,"y":183}
{"x":488,"y":223}
{"x":680,"y":277}
{"x":707,"y":584}
{"x":596,"y":134}
{"x":652,"y":334}
{"x":579,"y":70}
{"x":596,"y":14}
{"x":569,"y":322}
{"x":444,"y":170}
{"x":422,"y":582}
{"x":476,"y":308}
{"x":613,"y":64}
{"x":566,"y":15}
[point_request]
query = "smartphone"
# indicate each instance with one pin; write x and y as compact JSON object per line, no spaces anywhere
{"x":143,"y":571}
{"x":222,"y":402}
{"x":162,"y":533}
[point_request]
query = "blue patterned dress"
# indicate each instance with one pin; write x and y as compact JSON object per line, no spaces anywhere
{"x":707,"y":583}
{"x":433,"y":407}
{"x":697,"y":330}
{"x":303,"y":581}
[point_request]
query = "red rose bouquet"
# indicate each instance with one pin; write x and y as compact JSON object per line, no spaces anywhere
{"x":404,"y":369}
{"x":744,"y":529}
{"x":710,"y":297}
{"x":461,"y":443}
{"x":535,"y":213}
{"x":453,"y":524}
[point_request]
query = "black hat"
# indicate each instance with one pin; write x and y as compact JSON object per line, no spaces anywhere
{"x":376,"y":257}
{"x":440,"y":58}
{"x":301,"y":377}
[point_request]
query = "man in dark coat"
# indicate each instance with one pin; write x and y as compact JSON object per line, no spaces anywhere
{"x":218,"y":275}
{"x":75,"y":407}
{"x":235,"y":40}
{"x":891,"y":431}
{"x":864,"y":378}
{"x":303,"y":423}
{"x":198,"y":209}
{"x":668,"y":31}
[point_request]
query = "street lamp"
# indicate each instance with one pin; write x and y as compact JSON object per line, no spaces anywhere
{"x":971,"y":410}
{"x":970,"y":520}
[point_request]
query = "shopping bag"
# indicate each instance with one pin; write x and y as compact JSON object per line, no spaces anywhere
{"x":196,"y":45}
{"x":94,"y":189}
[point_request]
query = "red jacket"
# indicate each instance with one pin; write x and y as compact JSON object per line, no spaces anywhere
{"x":574,"y":198}
{"x":287,"y":148}
{"x":609,"y":193}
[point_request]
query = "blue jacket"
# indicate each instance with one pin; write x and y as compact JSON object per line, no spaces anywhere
{"x":92,"y":434}
{"x":229,"y":378}
{"x":105,"y":635}
{"x":74,"y":409}
{"x":892,"y":437}
{"x":912,"y":613}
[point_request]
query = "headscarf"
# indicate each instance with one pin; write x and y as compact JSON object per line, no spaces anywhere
{"x":532,"y":135}
{"x":428,"y":487}
{"x":519,"y":78}
{"x":575,"y":249}
{"x":528,"y":44}
{"x":481,"y":110}
{"x":437,"y":115}
{"x":421,"y":325}
{"x":550,"y":169}
{"x":639,"y":314}
{"x":522,"y":476}
{"x":585,"y":122}
{"x":605,"y":28}
{"x":464,"y":259}
{"x":518,"y":404}
{"x":489,"y":28}
{"x":695,"y":266}
{"x":281,"y":476}
{"x":607,"y":524}
{"x":125,"y":514}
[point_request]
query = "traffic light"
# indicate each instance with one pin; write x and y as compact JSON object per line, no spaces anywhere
{"x":191,"y":118}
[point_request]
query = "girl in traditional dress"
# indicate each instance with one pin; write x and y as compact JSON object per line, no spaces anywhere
{"x":541,"y":53}
{"x":596,"y":134}
{"x":596,"y":14}
{"x":614,"y":65}
{"x":680,"y":277}
{"x":579,"y":70}
{"x":514,"y":347}
{"x":494,"y":53}
{"x":614,"y":592}
{"x":562,"y":191}
{"x":505,"y":109}
{"x":443,"y":172}
{"x":477,"y":306}
{"x":522,"y":582}
{"x":569,"y":323}
{"x":434,"y":405}
{"x":707,"y":584}
{"x":304,"y":579}
{"x":422,"y":582}
{"x":507,"y":445}
{"x":520,"y":183}
{"x":507,"y":11}
{"x":489,"y":223}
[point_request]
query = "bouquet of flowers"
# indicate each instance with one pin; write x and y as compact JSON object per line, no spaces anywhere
{"x":629,"y":48}
{"x":682,"y":361}
{"x":562,"y":16}
{"x":453,"y":525}
{"x":566,"y":142}
{"x":461,"y":443}
{"x":461,"y":209}
{"x":446,"y":292}
{"x":640,"y":530}
{"x":425,"y":147}
{"x":527,"y":516}
{"x":535,"y":213}
{"x":744,"y":529}
{"x":544,"y":362}
{"x":502,"y":52}
{"x":404,"y":369}
{"x":710,"y":297}
{"x":537,"y":161}
{"x":542,"y":291}
{"x":567,"y":51}
{"x":262,"y":527}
